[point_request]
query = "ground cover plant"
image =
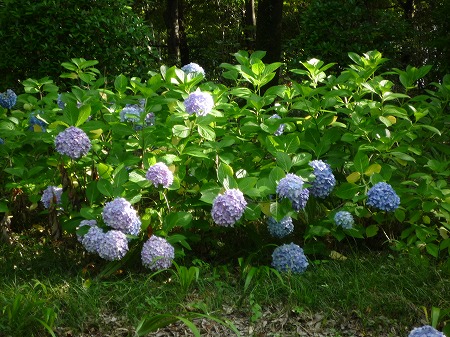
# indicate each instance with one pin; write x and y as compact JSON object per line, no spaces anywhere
{"x":174,"y":169}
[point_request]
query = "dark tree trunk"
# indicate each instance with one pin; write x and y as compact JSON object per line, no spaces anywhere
{"x":184,"y":49}
{"x":173,"y":31}
{"x":268,"y":31}
{"x":249,"y":24}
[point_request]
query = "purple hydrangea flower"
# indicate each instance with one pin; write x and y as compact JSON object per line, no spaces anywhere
{"x":228,"y":207}
{"x":425,"y":331}
{"x":89,"y":223}
{"x":280,"y":229}
{"x":289,"y":258}
{"x":324,"y":182}
{"x":60,"y":102}
{"x":200,"y":103}
{"x":51,"y":196}
{"x":344,"y":219}
{"x":73,"y":142}
{"x":8,"y":99}
{"x":157,"y":253}
{"x":383,"y":197}
{"x":120,"y":215}
{"x":91,"y":240}
{"x":291,"y":187}
{"x":113,"y":246}
{"x":193,"y":68}
{"x":150,"y":119}
{"x":159,"y":174}
{"x":37,"y":124}
{"x":280,"y":129}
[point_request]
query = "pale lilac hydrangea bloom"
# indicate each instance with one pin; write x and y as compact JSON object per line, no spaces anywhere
{"x":324,"y":182}
{"x":157,"y":253}
{"x":228,"y":207}
{"x":289,"y":258}
{"x":159,"y":174}
{"x":200,"y":103}
{"x":113,"y":246}
{"x":91,"y":240}
{"x":131,"y":113}
{"x":291,"y":187}
{"x":425,"y":331}
{"x":344,"y":219}
{"x":280,"y":129}
{"x":89,"y":223}
{"x":8,"y":99}
{"x":383,"y":197}
{"x":120,"y":215}
{"x":150,"y":119}
{"x":280,"y":229}
{"x":51,"y":195}
{"x":193,"y":68}
{"x":73,"y":142}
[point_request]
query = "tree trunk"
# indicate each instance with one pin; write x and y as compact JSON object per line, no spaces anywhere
{"x":268,"y":32}
{"x":249,"y":24}
{"x":173,"y":31}
{"x":184,"y":49}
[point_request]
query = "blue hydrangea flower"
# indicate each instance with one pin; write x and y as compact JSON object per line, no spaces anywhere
{"x":89,"y":223}
{"x":344,"y":219}
{"x":289,"y":258}
{"x":157,"y":253}
{"x":8,"y":99}
{"x":113,"y":246}
{"x":2,"y":141}
{"x":60,"y":102}
{"x":51,"y":196}
{"x":193,"y":68}
{"x":37,"y":124}
{"x":131,"y":113}
{"x":383,"y":197}
{"x":280,"y":129}
{"x":324,"y":182}
{"x":150,"y":119}
{"x":120,"y":215}
{"x":228,"y":207}
{"x":73,"y":142}
{"x":425,"y":331}
{"x":200,"y":103}
{"x":91,"y":240}
{"x":159,"y":174}
{"x":291,"y":187}
{"x":280,"y":229}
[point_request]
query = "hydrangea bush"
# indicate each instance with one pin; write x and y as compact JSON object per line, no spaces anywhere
{"x":349,"y":140}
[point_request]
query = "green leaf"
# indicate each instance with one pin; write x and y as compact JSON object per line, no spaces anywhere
{"x":206,"y":132}
{"x":361,"y":162}
{"x":371,"y":231}
{"x":179,"y":219}
{"x":432,"y":249}
{"x":83,"y":115}
{"x":284,"y":161}
{"x":105,"y":188}
{"x":347,"y":190}
{"x":120,"y":83}
{"x":180,"y":131}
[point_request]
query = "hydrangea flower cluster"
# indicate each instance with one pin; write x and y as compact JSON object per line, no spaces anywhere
{"x":200,"y":103}
{"x":150,"y":119}
{"x":51,"y":196}
{"x":324,"y":182}
{"x":193,"y":68}
{"x":113,"y":245}
{"x":425,"y":331}
{"x":291,"y":187}
{"x":289,"y":258}
{"x":73,"y":142}
{"x":280,"y":129}
{"x":61,"y":104}
{"x":383,"y":197}
{"x":157,"y":253}
{"x":89,"y":223}
{"x":37,"y":124}
{"x":280,"y":229}
{"x":120,"y":215}
{"x":131,"y":113}
{"x":159,"y":174}
{"x":8,"y":99}
{"x":2,"y":141}
{"x":228,"y":207}
{"x":344,"y":219}
{"x":92,"y":239}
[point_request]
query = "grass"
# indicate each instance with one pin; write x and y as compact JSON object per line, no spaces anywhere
{"x":48,"y":288}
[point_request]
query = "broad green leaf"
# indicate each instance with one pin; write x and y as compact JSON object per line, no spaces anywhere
{"x":371,"y":230}
{"x":284,"y":161}
{"x":179,"y":219}
{"x":206,"y":132}
{"x":120,"y":83}
{"x":347,"y":190}
{"x":105,"y":188}
{"x":361,"y":162}
{"x":180,"y":131}
{"x":353,"y":177}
